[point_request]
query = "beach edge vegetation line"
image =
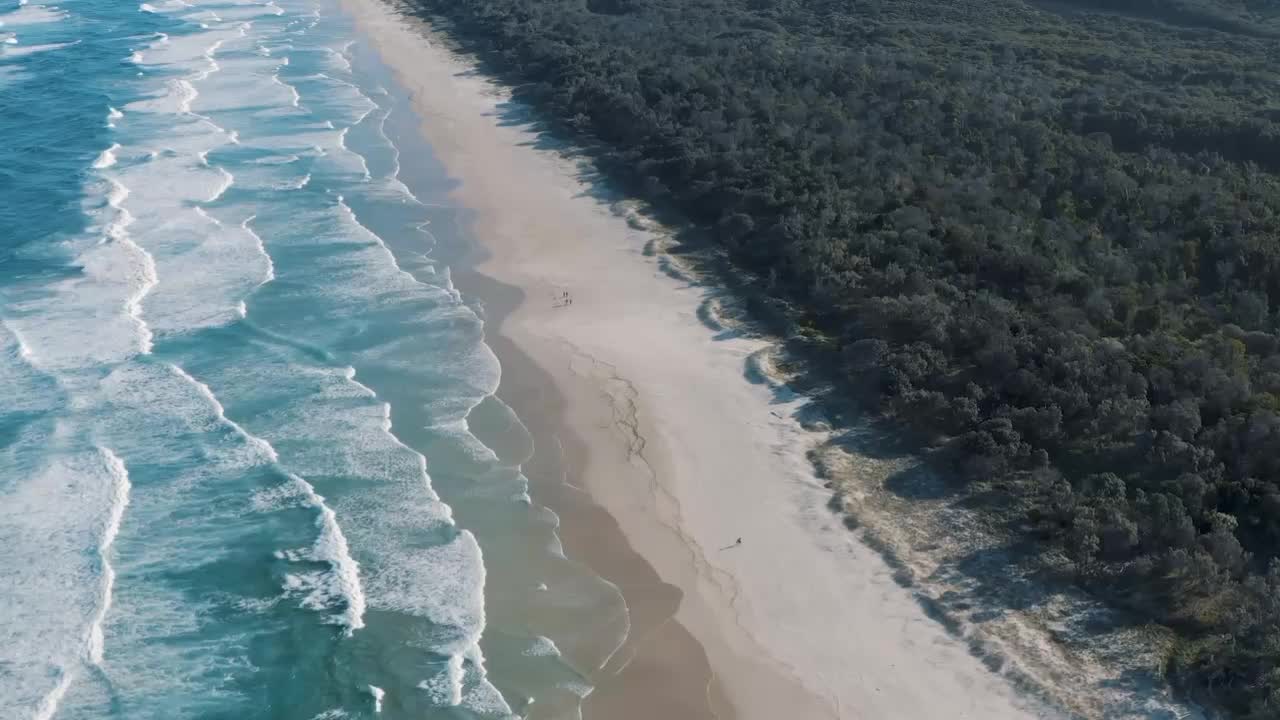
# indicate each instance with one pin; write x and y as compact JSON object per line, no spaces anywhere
{"x":1045,"y":237}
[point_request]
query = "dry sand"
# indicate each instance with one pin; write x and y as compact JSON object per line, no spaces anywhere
{"x":664,"y":423}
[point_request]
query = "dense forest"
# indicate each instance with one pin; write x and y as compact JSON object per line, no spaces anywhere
{"x":1045,"y":236}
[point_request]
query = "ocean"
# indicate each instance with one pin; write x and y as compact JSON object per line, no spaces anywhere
{"x":251,"y":460}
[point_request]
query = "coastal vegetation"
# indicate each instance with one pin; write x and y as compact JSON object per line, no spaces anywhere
{"x":1044,"y":236}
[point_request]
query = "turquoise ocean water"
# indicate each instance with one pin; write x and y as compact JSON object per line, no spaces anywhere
{"x":242,"y":405}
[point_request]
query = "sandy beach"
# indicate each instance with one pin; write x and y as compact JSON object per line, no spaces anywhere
{"x":659,"y":446}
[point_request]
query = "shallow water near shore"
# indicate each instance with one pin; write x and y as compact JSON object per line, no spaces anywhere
{"x":251,"y":464}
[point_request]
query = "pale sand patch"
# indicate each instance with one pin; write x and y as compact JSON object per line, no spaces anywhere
{"x":681,"y":447}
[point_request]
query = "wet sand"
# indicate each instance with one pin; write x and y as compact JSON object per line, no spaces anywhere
{"x":659,"y":653}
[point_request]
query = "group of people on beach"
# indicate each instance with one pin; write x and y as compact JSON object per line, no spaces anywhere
{"x":564,"y":299}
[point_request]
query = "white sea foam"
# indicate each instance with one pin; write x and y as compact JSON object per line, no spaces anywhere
{"x":16,"y":52}
{"x":378,"y":694}
{"x":213,"y":66}
{"x":350,"y":216}
{"x":22,"y":350}
{"x":27,"y":15}
{"x":208,"y":269}
{"x":295,"y":99}
{"x":93,"y":317}
{"x":337,"y":96}
{"x":148,"y":8}
{"x":142,"y":265}
{"x":258,"y":444}
{"x":393,"y":180}
{"x":107,"y":158}
{"x":445,"y":688}
{"x":332,"y":548}
{"x":276,"y":160}
{"x":57,"y":526}
{"x":298,"y":184}
{"x":578,"y":687}
{"x":187,"y":94}
{"x":270,"y":273}
{"x":341,"y":57}
{"x":364,"y":164}
{"x":227,"y":181}
{"x":119,"y":501}
{"x":48,"y":706}
{"x":542,"y":647}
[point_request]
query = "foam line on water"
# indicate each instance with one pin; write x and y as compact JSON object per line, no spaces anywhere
{"x":296,"y":99}
{"x":107,"y":158}
{"x":187,"y":94}
{"x":542,"y":646}
{"x":48,"y":706}
{"x":387,"y":428}
{"x":364,"y":164}
{"x":395,"y":263}
{"x":213,"y":64}
{"x":446,"y":688}
{"x":343,"y":55}
{"x":331,"y":546}
{"x":257,"y":443}
{"x":145,"y":266}
{"x":119,"y":495}
{"x":270,"y":273}
{"x":298,"y":184}
{"x":227,"y":180}
{"x":15,"y":52}
{"x":394,"y":178}
{"x":24,"y":350}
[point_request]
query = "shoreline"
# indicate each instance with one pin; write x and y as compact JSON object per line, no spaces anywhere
{"x":646,"y":402}
{"x":554,"y":472}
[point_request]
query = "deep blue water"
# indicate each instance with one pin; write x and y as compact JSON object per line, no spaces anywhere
{"x":239,"y":473}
